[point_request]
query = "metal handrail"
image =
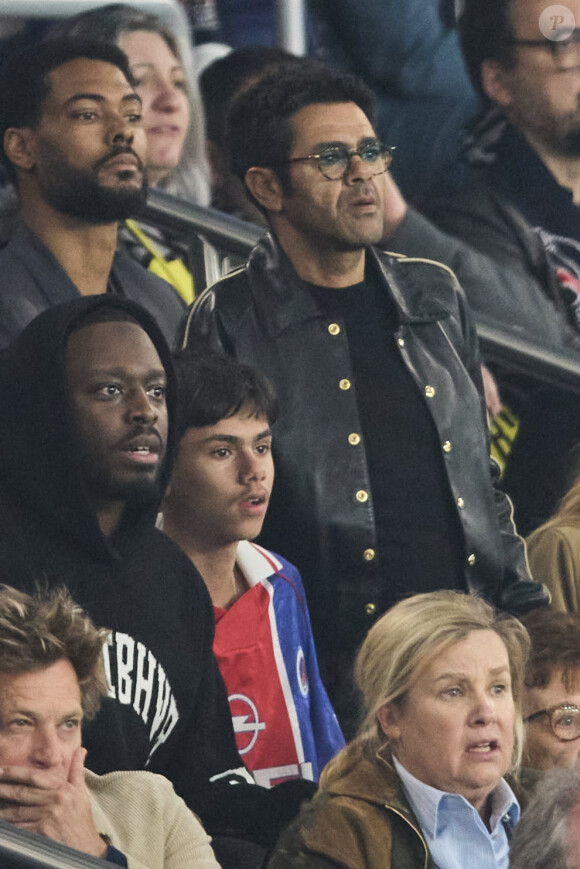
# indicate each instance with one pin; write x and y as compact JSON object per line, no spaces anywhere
{"x":498,"y":343}
{"x":21,"y":849}
{"x":225,"y":232}
{"x":552,"y":366}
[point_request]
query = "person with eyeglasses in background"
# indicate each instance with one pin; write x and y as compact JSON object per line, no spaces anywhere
{"x":551,"y":702}
{"x":384,"y":484}
{"x":520,"y":208}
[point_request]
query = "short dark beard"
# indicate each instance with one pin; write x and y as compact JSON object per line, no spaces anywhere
{"x":78,"y":192}
{"x":570,"y":143}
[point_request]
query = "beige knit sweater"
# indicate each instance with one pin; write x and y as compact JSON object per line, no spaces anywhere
{"x":140,"y":814}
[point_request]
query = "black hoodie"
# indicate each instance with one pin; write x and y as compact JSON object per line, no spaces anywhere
{"x":167,"y":710}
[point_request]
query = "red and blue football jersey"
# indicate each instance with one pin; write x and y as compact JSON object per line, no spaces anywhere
{"x":284,"y":724}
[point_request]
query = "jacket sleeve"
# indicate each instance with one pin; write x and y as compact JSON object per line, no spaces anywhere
{"x":156,"y":828}
{"x":495,"y":283}
{"x":517,"y":592}
{"x":186,"y":842}
{"x":186,"y":845}
{"x":555,"y":561}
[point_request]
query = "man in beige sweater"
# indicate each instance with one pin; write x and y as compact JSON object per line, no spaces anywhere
{"x":51,"y":678}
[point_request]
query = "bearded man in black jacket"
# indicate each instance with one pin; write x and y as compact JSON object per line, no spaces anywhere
{"x":87,"y":443}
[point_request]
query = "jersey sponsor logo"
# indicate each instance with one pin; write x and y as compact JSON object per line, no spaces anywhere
{"x":135,"y":678}
{"x":247,"y":724}
{"x":301,"y":673}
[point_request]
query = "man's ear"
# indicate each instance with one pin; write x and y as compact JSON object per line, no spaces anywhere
{"x":20,"y":147}
{"x":265,"y":187}
{"x":388,"y":718}
{"x":494,"y":83}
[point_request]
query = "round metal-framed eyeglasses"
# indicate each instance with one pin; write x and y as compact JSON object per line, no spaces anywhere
{"x":335,"y":161}
{"x":564,"y":720}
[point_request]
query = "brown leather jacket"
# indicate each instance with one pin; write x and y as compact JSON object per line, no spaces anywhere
{"x":364,"y":821}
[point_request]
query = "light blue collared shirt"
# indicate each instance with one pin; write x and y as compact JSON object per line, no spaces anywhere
{"x":454,"y":832}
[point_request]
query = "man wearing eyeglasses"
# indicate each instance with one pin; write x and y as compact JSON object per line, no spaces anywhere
{"x":384,"y":478}
{"x":520,"y":208}
{"x":521,"y":203}
{"x":551,"y":702}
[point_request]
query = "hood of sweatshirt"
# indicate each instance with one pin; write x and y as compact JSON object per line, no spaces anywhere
{"x":41,"y":475}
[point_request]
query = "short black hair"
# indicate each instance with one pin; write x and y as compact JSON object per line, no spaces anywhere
{"x":212,"y":387}
{"x":24,"y":81}
{"x":258,"y":127}
{"x":484,"y":28}
{"x":223,"y":79}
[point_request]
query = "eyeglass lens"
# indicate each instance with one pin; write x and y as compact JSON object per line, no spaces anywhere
{"x":566,"y":722}
{"x":566,"y":52}
{"x":334,"y":162}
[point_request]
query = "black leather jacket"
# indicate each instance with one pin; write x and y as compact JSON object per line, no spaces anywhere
{"x":320,"y":516}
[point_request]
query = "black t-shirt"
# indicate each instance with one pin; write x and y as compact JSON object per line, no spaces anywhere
{"x":420,"y":541}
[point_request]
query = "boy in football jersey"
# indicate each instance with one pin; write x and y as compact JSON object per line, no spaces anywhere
{"x":216,"y":504}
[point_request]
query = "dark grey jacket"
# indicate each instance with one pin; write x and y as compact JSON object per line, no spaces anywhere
{"x":32,"y":280}
{"x":264,"y":315}
{"x":504,"y":273}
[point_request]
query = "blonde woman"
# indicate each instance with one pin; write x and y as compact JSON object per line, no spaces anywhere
{"x":554,"y":553}
{"x":423,"y":784}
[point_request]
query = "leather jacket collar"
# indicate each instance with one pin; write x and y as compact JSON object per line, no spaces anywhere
{"x":282,"y":298}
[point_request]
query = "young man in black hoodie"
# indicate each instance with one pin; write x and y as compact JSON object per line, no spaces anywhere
{"x":87,"y":443}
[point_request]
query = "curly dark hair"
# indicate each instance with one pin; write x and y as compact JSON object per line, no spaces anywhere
{"x":258,"y":125}
{"x":24,"y":81}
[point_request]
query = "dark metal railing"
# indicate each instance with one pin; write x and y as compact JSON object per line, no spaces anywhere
{"x":20,"y":849}
{"x":502,"y":345}
{"x":219,"y":229}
